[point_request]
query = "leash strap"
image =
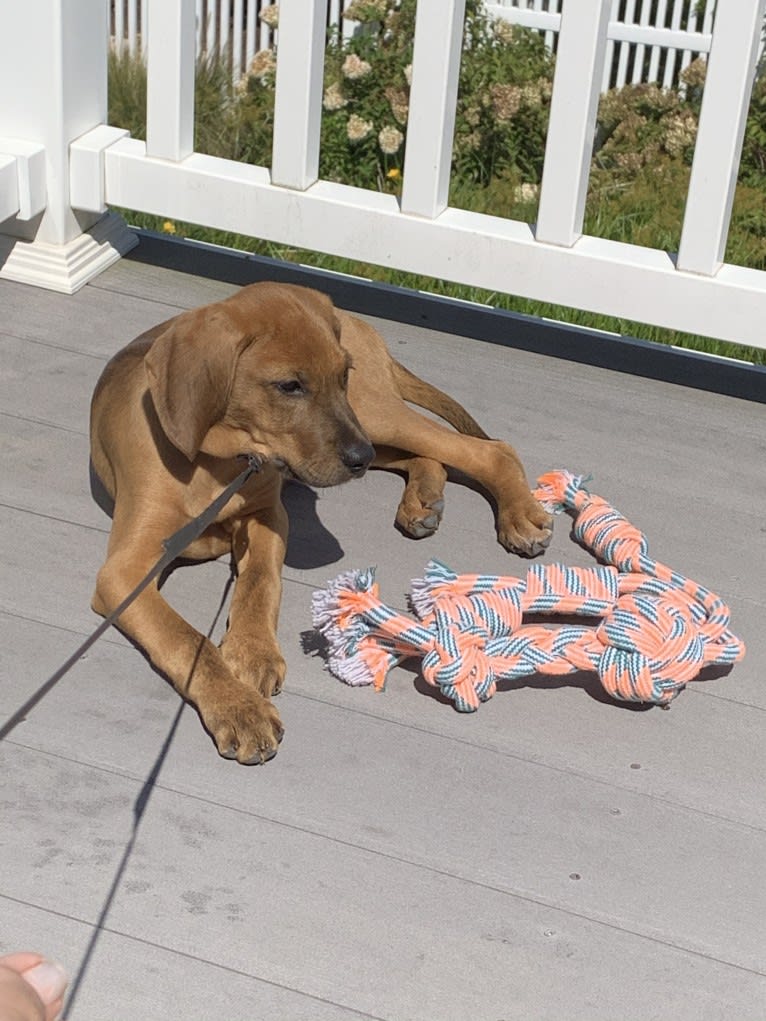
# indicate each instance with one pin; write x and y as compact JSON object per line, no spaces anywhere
{"x":174,"y":546}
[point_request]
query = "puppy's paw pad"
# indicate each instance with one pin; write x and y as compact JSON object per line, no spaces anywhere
{"x":421,"y":522}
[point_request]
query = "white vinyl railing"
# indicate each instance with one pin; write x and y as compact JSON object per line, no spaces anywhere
{"x":647,"y":40}
{"x":87,"y":165}
{"x":230,"y":29}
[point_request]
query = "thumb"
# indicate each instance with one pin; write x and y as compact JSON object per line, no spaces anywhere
{"x":48,"y":979}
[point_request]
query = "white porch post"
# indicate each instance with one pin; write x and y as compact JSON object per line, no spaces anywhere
{"x":53,"y":81}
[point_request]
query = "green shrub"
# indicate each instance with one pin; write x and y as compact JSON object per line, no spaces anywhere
{"x":502,"y":110}
{"x":127,"y":93}
{"x":753,"y":166}
{"x":233,"y":122}
{"x":503,"y":102}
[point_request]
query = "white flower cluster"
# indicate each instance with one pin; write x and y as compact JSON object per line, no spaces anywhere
{"x":270,"y":15}
{"x":526,"y":192}
{"x":390,"y":140}
{"x":366,"y":10}
{"x":358,"y":129}
{"x":264,"y":62}
{"x":680,"y":132}
{"x":334,"y":98}
{"x":503,"y":30}
{"x":354,"y":67}
{"x":399,"y":103}
{"x":506,"y":100}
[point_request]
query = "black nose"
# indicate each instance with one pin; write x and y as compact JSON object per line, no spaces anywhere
{"x":357,"y":457}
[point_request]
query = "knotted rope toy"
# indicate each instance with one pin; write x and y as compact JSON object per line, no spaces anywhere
{"x":657,"y":629}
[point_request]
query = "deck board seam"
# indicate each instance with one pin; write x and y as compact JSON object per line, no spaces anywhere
{"x":190,"y":957}
{"x":424,"y":866}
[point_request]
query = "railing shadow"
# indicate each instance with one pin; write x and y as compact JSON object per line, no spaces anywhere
{"x":514,"y":330}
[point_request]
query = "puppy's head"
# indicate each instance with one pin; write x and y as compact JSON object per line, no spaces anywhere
{"x":262,"y":372}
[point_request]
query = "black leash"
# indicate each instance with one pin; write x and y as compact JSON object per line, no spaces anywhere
{"x":174,"y":547}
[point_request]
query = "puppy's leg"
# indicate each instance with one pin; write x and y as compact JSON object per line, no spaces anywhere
{"x":422,"y":505}
{"x":243,"y":723}
{"x":250,"y":646}
{"x":522,"y":524}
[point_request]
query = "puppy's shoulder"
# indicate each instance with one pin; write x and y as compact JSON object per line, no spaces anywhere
{"x":127,"y":363}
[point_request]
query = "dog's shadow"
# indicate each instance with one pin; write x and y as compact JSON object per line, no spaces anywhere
{"x":310,"y":544}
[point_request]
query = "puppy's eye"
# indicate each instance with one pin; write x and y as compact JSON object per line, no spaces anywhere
{"x":291,"y":387}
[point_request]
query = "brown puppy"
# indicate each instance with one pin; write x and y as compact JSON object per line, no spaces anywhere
{"x":265,"y":372}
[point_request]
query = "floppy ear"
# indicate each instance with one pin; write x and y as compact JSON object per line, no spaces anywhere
{"x":190,"y":368}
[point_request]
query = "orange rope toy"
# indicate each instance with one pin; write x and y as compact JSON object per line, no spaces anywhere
{"x":657,"y":628}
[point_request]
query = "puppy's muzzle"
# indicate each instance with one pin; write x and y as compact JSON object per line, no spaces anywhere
{"x":357,"y":457}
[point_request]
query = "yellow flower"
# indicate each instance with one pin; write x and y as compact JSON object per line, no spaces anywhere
{"x":169,"y":227}
{"x":394,"y":174}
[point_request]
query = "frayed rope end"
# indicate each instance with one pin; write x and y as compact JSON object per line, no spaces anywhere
{"x":423,"y":590}
{"x":336,"y":614}
{"x":557,"y":490}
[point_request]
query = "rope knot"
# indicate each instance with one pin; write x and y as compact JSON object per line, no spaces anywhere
{"x":652,"y":647}
{"x":457,"y":661}
{"x":611,"y":536}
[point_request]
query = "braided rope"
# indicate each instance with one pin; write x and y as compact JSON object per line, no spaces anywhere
{"x":657,"y":628}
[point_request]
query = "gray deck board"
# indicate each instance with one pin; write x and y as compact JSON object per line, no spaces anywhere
{"x":397,"y":859}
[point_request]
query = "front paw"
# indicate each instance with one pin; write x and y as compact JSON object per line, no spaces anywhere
{"x":260,"y":665}
{"x":418,"y":519}
{"x":245,"y":726}
{"x":526,"y":528}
